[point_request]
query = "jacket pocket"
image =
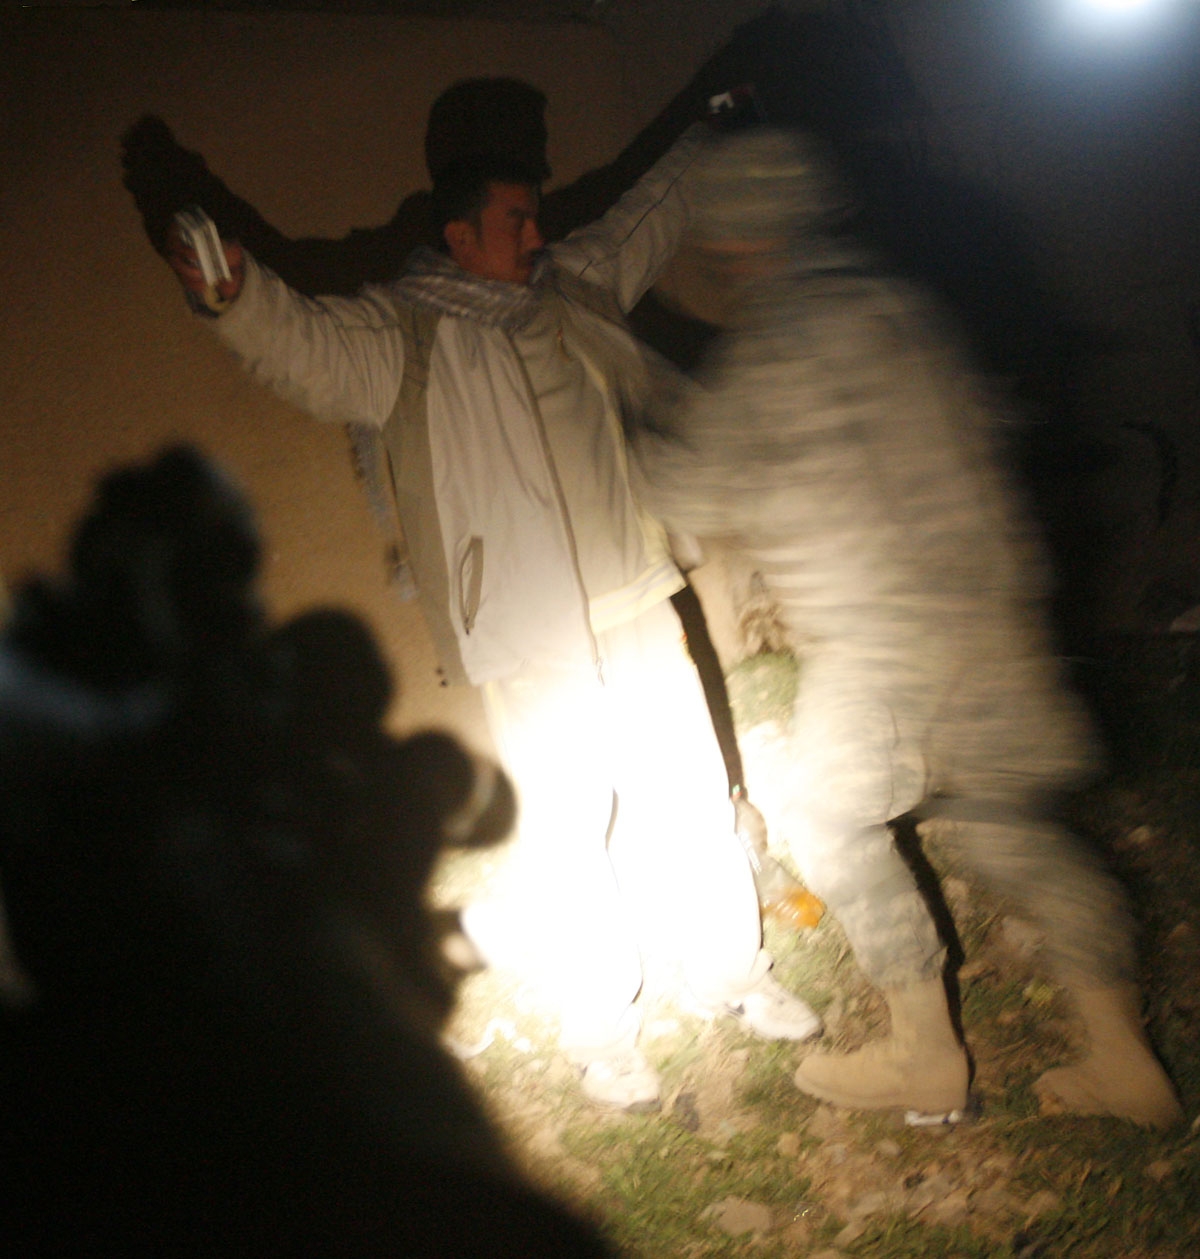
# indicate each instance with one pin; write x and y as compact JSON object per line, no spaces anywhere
{"x":470,"y":583}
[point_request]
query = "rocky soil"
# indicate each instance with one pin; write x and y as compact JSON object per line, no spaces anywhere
{"x":739,"y":1162}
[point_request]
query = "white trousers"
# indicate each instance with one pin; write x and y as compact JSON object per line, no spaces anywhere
{"x":626,"y":844}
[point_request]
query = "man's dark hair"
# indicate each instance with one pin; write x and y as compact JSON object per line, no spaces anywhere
{"x":461,"y":189}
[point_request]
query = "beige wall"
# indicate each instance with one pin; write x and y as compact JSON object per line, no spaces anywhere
{"x":318,"y":121}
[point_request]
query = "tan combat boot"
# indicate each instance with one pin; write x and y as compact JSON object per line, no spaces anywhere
{"x":919,"y":1066}
{"x":1119,"y":1074}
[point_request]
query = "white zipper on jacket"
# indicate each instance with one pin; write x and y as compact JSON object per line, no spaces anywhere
{"x":564,"y":516}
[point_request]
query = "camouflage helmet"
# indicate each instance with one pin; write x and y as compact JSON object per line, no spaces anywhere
{"x":765,"y":183}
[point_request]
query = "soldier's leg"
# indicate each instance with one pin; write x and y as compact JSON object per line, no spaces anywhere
{"x":1027,"y":735}
{"x":856,"y":768}
{"x":920,"y":1065}
{"x":1081,"y":910}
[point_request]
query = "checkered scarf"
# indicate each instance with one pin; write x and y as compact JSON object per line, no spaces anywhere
{"x":436,"y":282}
{"x":433,"y":281}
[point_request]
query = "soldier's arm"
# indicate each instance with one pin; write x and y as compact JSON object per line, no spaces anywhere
{"x":627,"y":249}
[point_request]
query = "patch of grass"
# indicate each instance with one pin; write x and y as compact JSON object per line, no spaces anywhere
{"x":766,"y":1084}
{"x":1011,"y":1012}
{"x":1122,"y":1191}
{"x":817,"y":962}
{"x":658,"y":1181}
{"x":909,"y":1239}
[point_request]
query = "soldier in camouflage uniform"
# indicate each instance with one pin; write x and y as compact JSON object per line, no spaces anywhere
{"x":837,"y":443}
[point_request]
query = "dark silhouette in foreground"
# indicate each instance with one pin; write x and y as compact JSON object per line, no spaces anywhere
{"x":214,"y":861}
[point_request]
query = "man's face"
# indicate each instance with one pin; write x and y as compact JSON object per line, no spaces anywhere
{"x":507,"y":241}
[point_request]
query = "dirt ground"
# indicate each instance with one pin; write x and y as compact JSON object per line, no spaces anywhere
{"x":739,"y":1162}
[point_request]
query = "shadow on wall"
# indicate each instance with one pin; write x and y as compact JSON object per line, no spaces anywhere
{"x":473,"y":116}
{"x":836,"y":73}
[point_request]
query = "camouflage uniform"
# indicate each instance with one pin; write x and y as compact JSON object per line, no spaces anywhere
{"x":837,"y":443}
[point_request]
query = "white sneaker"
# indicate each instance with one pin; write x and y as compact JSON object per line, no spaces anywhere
{"x":622,"y":1080}
{"x":770,"y":1011}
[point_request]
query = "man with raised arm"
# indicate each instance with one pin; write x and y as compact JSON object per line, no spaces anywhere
{"x":498,"y":374}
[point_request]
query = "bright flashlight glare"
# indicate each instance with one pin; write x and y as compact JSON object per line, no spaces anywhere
{"x":1116,"y":10}
{"x":1119,"y":21}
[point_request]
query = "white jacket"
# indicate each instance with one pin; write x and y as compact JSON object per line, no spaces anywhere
{"x":493,"y":484}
